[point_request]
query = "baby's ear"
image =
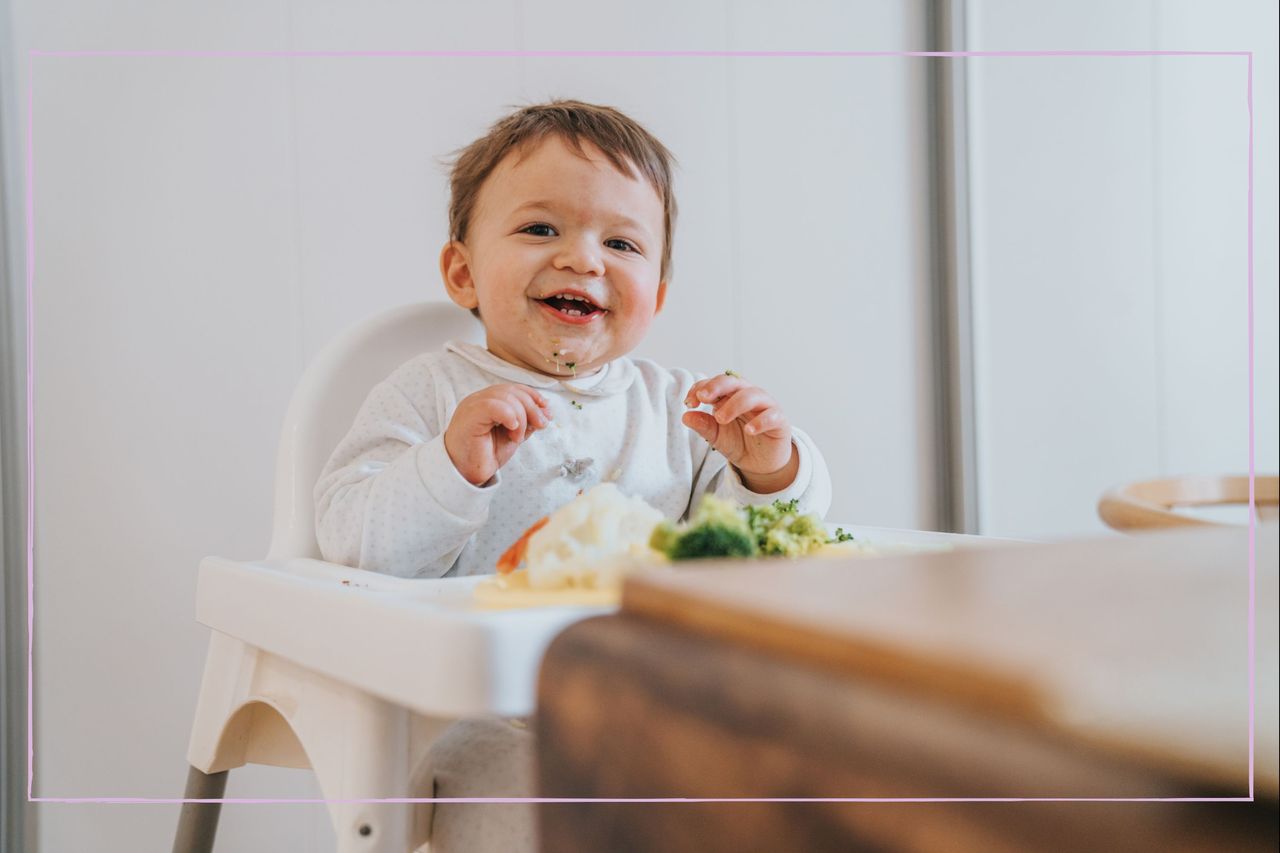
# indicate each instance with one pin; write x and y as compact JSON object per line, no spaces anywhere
{"x":455,"y":269}
{"x":662,"y":296}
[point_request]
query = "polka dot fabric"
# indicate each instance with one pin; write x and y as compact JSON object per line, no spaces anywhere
{"x":389,"y":499}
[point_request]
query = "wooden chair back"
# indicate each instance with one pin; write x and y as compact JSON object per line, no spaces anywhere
{"x":1153,"y":504}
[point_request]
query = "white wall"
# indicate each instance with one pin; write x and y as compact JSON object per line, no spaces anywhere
{"x":204,"y":224}
{"x":1110,"y":230}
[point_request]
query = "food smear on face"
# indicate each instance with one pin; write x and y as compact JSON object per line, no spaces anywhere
{"x":554,"y":345}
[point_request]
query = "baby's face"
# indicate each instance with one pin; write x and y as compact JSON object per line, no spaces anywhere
{"x":563,"y":257}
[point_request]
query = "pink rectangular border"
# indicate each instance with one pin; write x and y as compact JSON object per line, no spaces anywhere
{"x":30,"y":330}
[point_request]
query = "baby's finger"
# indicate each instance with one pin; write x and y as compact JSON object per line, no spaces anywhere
{"x":537,"y":412}
{"x":712,"y":389}
{"x":534,"y":394}
{"x":508,"y":414}
{"x":523,"y":392}
{"x":703,"y":424}
{"x":770,"y":422}
{"x":745,"y":401}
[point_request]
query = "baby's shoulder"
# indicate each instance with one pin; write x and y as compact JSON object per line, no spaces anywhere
{"x":428,"y":373}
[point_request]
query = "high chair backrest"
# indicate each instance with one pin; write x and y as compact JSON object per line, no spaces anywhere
{"x":328,"y":396}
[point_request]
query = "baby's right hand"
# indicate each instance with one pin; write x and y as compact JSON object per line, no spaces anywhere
{"x":489,"y":425}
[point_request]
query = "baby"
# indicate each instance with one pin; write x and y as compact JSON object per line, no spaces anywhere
{"x":561,"y":221}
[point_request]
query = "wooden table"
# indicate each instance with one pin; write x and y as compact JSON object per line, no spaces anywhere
{"x":1107,"y":669}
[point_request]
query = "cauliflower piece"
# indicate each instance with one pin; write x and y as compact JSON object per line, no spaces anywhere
{"x":592,"y":541}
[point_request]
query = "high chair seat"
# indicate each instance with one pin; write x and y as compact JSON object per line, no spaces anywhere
{"x":321,"y":666}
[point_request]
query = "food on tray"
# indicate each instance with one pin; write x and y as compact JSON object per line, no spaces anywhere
{"x":587,"y":543}
{"x":513,"y":591}
{"x":719,"y":528}
{"x":579,"y":554}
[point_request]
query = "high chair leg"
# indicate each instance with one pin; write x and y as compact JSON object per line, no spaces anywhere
{"x":198,"y":822}
{"x":255,"y":707}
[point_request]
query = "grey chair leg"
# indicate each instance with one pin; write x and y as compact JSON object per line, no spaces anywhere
{"x":198,"y":822}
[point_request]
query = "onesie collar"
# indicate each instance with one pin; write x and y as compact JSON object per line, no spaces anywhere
{"x":613,"y":377}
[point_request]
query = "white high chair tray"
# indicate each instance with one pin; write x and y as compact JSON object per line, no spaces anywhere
{"x":421,"y":644}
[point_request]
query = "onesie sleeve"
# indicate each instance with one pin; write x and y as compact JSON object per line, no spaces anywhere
{"x":390,"y":499}
{"x":812,"y":485}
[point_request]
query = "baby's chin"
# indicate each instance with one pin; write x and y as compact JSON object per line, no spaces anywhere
{"x":566,"y":355}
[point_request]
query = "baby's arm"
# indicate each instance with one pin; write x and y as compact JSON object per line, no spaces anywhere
{"x":401,"y":496}
{"x":489,"y":425}
{"x":752,"y":454}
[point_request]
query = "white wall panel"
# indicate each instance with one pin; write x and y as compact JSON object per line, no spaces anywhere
{"x":1109,"y":221}
{"x":165,"y":288}
{"x":1202,"y":265}
{"x":205,"y":225}
{"x":1203,"y":225}
{"x":831,"y":260}
{"x":1065,"y":350}
{"x":163,"y":300}
{"x":370,"y":132}
{"x":372,"y":194}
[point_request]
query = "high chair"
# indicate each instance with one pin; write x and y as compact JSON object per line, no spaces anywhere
{"x":321,"y":666}
{"x":1153,"y":504}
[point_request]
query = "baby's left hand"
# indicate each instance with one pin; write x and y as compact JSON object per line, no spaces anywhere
{"x":747,"y":426}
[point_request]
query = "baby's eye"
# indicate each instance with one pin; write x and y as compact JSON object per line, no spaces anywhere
{"x":537,"y":229}
{"x":622,"y":245}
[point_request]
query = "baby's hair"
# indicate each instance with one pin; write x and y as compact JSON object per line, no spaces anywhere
{"x":627,"y":145}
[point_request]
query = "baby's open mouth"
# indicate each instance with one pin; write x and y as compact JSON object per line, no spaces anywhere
{"x":572,"y":305}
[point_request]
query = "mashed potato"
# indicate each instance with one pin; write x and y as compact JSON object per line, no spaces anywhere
{"x":590,"y":542}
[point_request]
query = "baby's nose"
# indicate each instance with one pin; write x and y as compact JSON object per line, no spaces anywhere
{"x":582,"y":256}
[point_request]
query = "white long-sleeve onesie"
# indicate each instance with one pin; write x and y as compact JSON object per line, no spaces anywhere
{"x":390,"y":500}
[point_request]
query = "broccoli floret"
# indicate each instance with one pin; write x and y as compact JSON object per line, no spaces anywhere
{"x":719,"y":528}
{"x":794,"y":535}
{"x":716,"y":529}
{"x":780,"y":530}
{"x":840,"y":536}
{"x":765,"y":517}
{"x":713,"y":540}
{"x":714,"y":510}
